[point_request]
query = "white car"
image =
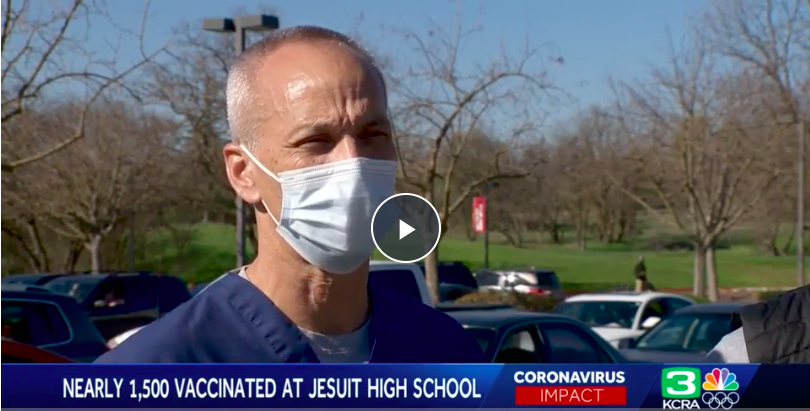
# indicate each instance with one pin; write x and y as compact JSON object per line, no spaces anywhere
{"x":620,"y":315}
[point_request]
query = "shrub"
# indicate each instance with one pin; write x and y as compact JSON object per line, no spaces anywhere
{"x":581,"y":288}
{"x":769,"y":295}
{"x":678,"y":242}
{"x":698,"y":300}
{"x":520,"y":301}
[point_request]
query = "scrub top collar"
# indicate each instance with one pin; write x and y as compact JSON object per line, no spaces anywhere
{"x":286,"y":340}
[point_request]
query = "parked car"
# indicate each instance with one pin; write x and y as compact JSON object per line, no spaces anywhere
{"x":620,"y":315}
{"x":508,"y":336}
{"x":18,"y":353}
{"x":522,"y":280}
{"x":406,"y":278}
{"x":455,"y":280}
{"x":686,"y":337}
{"x":50,"y":321}
{"x":29,"y":279}
{"x":119,"y":302}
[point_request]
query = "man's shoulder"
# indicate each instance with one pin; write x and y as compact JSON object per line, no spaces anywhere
{"x":189,"y":333}
{"x":419,"y":324}
{"x":415,"y":311}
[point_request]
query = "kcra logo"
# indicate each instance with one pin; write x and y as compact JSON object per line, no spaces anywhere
{"x":680,"y":390}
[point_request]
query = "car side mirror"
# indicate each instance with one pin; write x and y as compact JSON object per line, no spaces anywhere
{"x":650,"y":322}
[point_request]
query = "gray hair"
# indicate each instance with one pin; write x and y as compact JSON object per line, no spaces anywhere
{"x":243,"y":101}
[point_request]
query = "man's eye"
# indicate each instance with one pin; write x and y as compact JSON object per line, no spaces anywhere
{"x":316,"y":141}
{"x":373,"y":134}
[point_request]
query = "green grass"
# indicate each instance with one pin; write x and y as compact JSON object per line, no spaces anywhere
{"x":209,"y":253}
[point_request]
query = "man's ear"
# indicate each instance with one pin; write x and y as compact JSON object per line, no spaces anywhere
{"x":238,"y":167}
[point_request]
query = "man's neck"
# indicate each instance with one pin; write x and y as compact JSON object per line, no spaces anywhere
{"x":312,"y":299}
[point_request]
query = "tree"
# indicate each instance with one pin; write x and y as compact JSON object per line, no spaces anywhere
{"x":770,"y":38}
{"x":597,"y":139}
{"x":191,"y":83}
{"x":440,"y":106}
{"x":698,"y":139}
{"x":43,"y":51}
{"x":85,"y":191}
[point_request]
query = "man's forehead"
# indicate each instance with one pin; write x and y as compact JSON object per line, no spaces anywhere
{"x":295,"y":65}
{"x":302,"y":80}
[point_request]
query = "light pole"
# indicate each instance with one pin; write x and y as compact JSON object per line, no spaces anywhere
{"x":239,"y":26}
{"x":801,"y":126}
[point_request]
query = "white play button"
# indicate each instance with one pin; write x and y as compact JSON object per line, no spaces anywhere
{"x":404,"y":229}
{"x":419,"y":228}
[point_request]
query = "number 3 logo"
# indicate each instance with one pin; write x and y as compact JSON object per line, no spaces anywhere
{"x":683,"y":378}
{"x":680,"y":382}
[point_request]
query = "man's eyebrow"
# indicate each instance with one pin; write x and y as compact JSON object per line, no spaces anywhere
{"x":319,"y":126}
{"x":378,"y":122}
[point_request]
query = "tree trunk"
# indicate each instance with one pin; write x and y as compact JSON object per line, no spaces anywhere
{"x":789,"y":242}
{"x":72,"y":257}
{"x":39,"y":246}
{"x":582,"y":231}
{"x":699,"y":271}
{"x":711,"y":273}
{"x":554,"y":231}
{"x":94,"y":248}
{"x":432,"y":275}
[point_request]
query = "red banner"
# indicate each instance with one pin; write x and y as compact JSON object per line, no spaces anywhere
{"x":479,"y":214}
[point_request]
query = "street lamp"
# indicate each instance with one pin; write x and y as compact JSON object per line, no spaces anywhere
{"x":239,"y":26}
{"x":801,"y":125}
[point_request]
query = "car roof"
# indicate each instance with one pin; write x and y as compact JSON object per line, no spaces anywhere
{"x":24,"y":287}
{"x":37,"y":295}
{"x":29,"y":278}
{"x":716,"y":308}
{"x":628,"y":296}
{"x":499,"y":317}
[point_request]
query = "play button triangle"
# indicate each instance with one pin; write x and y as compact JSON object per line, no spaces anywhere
{"x":404,"y":229}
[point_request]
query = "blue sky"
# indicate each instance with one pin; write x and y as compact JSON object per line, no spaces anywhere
{"x":597,"y":38}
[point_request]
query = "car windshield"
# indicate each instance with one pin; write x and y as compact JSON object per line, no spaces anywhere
{"x":546,"y":279}
{"x":483,"y":336}
{"x":687,"y":332}
{"x":78,"y":287}
{"x":615,"y":314}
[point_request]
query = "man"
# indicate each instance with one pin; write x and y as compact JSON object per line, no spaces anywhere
{"x":313,"y":152}
{"x":640,"y":271}
{"x":774,"y":331}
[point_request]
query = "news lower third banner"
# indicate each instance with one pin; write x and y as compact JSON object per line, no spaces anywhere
{"x":404,"y":386}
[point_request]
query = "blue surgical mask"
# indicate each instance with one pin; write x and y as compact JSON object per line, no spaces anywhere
{"x":326,"y":210}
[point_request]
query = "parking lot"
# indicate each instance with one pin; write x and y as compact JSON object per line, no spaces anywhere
{"x":518,"y":315}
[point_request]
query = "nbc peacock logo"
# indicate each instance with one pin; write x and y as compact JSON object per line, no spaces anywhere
{"x":720,"y":389}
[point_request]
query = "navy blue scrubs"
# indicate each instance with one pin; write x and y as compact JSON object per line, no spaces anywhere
{"x":232,"y":321}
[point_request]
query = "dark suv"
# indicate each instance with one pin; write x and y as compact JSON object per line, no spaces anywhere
{"x":119,"y":302}
{"x":455,"y":280}
{"x":53,"y":322}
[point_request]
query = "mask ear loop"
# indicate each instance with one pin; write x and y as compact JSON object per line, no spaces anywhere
{"x":266,"y":171}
